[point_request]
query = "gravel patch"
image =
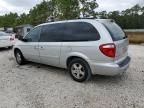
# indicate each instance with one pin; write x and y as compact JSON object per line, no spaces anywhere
{"x":39,"y":86}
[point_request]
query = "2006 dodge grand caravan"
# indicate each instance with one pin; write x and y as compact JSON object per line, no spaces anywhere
{"x":84,"y":46}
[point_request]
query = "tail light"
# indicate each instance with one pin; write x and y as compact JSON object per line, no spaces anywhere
{"x":108,"y":49}
{"x":11,"y":39}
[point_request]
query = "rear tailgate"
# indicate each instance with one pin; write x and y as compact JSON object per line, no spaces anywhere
{"x":121,"y":49}
{"x":120,"y":40}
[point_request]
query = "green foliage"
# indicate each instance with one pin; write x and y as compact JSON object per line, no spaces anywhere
{"x":132,"y":18}
{"x":59,"y":9}
{"x":40,"y":12}
{"x":129,"y":19}
{"x":8,"y":20}
{"x":66,"y":9}
{"x":88,"y":8}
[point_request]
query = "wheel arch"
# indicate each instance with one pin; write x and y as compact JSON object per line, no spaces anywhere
{"x":73,"y":56}
{"x":16,"y":49}
{"x":81,"y":59}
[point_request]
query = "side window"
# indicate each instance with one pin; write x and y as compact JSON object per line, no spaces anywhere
{"x":80,"y":31}
{"x":52,"y":33}
{"x":33,"y":36}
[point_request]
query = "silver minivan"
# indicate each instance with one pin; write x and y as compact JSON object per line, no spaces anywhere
{"x":85,"y":47}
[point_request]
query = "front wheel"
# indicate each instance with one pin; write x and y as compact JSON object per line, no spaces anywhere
{"x":79,"y":70}
{"x":19,"y":57}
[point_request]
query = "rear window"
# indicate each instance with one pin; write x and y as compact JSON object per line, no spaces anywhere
{"x":115,"y":31}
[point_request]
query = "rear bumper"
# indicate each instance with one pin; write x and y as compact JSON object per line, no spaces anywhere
{"x":110,"y":68}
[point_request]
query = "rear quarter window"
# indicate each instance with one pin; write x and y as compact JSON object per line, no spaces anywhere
{"x":115,"y":31}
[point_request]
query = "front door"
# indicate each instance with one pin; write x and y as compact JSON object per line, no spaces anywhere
{"x":50,"y":53}
{"x":50,"y":44}
{"x":30,"y":48}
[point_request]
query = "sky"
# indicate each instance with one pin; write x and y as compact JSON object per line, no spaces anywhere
{"x":23,"y":6}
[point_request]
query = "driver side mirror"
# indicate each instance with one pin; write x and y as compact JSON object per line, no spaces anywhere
{"x":20,"y":37}
{"x":25,"y":39}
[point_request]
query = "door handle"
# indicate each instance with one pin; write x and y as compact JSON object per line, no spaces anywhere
{"x":41,"y":48}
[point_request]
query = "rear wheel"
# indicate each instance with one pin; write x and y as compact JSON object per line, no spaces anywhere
{"x":19,"y":57}
{"x":79,"y":70}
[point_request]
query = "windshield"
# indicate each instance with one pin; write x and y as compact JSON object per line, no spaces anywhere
{"x":115,"y":31}
{"x":3,"y":34}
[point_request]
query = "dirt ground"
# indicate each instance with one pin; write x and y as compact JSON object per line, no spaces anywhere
{"x":39,"y":86}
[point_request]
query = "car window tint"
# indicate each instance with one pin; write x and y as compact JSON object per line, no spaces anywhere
{"x":33,"y":36}
{"x":52,"y":33}
{"x":80,"y":31}
{"x":115,"y":31}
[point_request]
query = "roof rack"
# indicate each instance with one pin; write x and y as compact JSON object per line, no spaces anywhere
{"x":106,"y":20}
{"x":87,"y":18}
{"x":98,"y":19}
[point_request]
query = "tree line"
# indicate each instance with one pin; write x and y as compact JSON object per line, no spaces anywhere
{"x":132,"y":18}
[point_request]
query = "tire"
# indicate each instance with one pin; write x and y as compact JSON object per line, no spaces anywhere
{"x":79,"y":70}
{"x":19,"y":57}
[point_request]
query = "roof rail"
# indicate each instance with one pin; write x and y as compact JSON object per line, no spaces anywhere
{"x":106,"y":20}
{"x":87,"y":18}
{"x":97,"y":19}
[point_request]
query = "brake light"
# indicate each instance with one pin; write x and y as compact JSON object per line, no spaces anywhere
{"x":11,"y":39}
{"x":108,"y":49}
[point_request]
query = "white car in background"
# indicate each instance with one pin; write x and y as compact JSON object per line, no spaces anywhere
{"x":6,"y":40}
